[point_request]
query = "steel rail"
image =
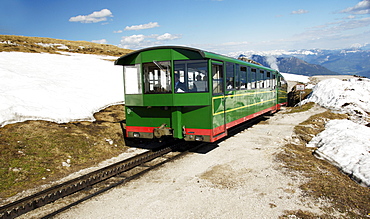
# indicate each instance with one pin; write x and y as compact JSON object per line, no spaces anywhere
{"x":51,"y":194}
{"x":56,"y":192}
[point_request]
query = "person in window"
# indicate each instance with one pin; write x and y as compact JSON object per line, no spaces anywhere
{"x":230,"y":84}
{"x":179,"y":86}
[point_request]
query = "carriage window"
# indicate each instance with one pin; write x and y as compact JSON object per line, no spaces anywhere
{"x":132,"y":80}
{"x":268,"y":79}
{"x":237,"y":77}
{"x":243,"y":77}
{"x":157,"y":77}
{"x":253,"y":78}
{"x":230,"y":77}
{"x":190,"y":76}
{"x":261,"y":79}
{"x":217,"y":79}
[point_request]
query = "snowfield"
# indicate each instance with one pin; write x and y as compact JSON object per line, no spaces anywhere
{"x":345,"y":143}
{"x":57,"y":88}
{"x":71,"y":87}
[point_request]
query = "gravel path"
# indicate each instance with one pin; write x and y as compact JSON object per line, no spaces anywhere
{"x":237,"y":179}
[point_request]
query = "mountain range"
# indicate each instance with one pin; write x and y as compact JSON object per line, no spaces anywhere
{"x":354,"y":61}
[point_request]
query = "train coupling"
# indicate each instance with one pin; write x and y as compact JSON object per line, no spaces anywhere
{"x":162,"y":131}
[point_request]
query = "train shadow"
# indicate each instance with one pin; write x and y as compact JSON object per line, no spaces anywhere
{"x":204,"y":148}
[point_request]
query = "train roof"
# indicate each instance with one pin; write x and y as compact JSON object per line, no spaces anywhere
{"x":202,"y":53}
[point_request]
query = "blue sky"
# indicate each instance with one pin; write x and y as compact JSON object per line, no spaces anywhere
{"x":216,"y":25}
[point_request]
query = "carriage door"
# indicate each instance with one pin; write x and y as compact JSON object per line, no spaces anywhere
{"x":218,"y":100}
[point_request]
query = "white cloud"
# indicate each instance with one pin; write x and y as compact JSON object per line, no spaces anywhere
{"x":334,"y":35}
{"x":350,"y":17}
{"x":234,"y":43}
{"x":140,"y":40}
{"x":143,"y":26}
{"x":132,"y":40}
{"x":96,"y":16}
{"x":336,"y":28}
{"x":300,"y":11}
{"x":118,"y":31}
{"x":353,"y":24}
{"x":167,"y":36}
{"x":102,"y":41}
{"x":362,"y":7}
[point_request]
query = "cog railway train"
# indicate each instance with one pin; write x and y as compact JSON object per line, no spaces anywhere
{"x":195,"y":95}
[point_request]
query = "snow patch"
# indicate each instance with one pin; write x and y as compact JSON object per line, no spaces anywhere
{"x":346,"y":145}
{"x":351,"y":97}
{"x":294,"y":77}
{"x":57,"y":45}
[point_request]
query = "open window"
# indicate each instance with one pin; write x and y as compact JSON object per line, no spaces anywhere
{"x":132,"y":78}
{"x":217,"y":78}
{"x":157,"y":77}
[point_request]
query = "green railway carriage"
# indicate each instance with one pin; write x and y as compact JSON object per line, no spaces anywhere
{"x":194,"y":95}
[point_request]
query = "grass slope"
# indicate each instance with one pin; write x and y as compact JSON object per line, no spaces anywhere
{"x":37,"y":152}
{"x":11,"y":43}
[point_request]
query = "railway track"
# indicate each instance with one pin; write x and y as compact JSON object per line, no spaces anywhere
{"x":84,"y":184}
{"x":99,"y":181}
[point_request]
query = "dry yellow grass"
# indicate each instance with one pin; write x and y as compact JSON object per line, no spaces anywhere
{"x":32,"y":152}
{"x":325,"y":181}
{"x":10,"y":43}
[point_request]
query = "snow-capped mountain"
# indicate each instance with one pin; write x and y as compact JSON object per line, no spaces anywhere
{"x":292,"y":65}
{"x":353,"y":61}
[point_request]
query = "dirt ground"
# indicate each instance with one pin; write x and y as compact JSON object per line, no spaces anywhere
{"x":239,"y":178}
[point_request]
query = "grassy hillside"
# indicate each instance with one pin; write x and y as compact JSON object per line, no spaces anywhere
{"x":37,"y":152}
{"x":10,"y":43}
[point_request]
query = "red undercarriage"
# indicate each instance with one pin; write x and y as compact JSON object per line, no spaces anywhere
{"x":216,"y":133}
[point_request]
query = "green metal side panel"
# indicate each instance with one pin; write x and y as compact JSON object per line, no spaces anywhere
{"x":147,"y":117}
{"x":239,"y":104}
{"x":191,"y":99}
{"x":197,"y":117}
{"x":218,"y":108}
{"x":157,"y":100}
